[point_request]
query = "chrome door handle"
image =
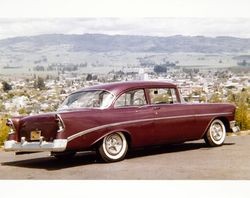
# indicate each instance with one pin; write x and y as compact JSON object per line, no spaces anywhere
{"x":156,"y":108}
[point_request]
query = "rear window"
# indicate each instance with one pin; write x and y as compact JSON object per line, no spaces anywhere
{"x":162,"y":96}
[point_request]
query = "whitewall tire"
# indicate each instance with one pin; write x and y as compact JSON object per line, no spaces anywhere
{"x":113,"y":147}
{"x":216,"y":133}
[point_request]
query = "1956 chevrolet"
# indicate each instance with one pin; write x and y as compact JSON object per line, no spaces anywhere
{"x":112,"y":118}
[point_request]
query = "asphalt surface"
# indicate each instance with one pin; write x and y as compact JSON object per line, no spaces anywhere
{"x":188,"y":161}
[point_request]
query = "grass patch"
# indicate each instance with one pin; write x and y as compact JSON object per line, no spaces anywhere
{"x":3,"y":129}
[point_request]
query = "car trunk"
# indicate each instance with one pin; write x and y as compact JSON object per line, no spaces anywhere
{"x":36,"y":127}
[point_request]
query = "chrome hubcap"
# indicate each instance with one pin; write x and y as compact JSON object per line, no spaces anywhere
{"x":113,"y":144}
{"x":217,"y":131}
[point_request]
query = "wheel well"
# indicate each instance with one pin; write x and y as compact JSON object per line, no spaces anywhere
{"x":125,"y":133}
{"x":128,"y":138}
{"x":225,"y":122}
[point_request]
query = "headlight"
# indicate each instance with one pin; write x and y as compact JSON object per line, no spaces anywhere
{"x":60,"y":123}
{"x":10,"y":124}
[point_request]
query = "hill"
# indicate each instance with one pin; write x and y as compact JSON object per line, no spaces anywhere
{"x":125,"y":43}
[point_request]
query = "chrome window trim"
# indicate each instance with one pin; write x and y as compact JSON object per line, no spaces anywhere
{"x":129,"y":106}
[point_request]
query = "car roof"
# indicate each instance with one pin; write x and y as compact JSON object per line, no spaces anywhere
{"x":118,"y":87}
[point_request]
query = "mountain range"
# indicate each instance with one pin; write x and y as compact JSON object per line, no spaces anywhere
{"x":128,"y":43}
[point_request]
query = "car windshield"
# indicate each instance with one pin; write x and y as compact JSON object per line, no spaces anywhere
{"x":88,"y":99}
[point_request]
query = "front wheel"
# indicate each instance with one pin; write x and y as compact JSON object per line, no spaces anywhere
{"x":113,"y":147}
{"x":216,"y":133}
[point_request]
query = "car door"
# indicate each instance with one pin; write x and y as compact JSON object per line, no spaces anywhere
{"x":173,"y":120}
{"x":132,"y":111}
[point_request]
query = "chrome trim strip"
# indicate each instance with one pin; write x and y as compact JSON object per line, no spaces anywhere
{"x":81,"y":133}
{"x":90,"y":89}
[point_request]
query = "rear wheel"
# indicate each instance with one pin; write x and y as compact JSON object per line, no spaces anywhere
{"x":113,"y":147}
{"x":216,"y":133}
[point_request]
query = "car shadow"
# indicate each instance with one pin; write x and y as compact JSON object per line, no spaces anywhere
{"x":172,"y":148}
{"x":51,"y":163}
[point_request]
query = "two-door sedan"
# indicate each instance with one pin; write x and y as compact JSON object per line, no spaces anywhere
{"x":112,"y":118}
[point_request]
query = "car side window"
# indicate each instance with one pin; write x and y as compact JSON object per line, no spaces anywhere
{"x":131,"y":98}
{"x":163,"y":96}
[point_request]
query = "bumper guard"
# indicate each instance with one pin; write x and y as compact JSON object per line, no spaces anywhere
{"x":233,"y":127}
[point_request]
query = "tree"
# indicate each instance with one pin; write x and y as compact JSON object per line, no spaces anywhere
{"x":1,"y":106}
{"x":22,"y":111}
{"x":215,"y":98}
{"x":6,"y":86}
{"x":160,"y":69}
{"x":39,"y":83}
{"x":242,"y":114}
{"x":89,"y":77}
{"x":3,"y":128}
{"x":202,"y":99}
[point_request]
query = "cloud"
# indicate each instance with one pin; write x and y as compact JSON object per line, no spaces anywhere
{"x":237,"y":27}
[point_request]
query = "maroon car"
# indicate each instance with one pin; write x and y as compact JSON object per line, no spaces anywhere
{"x":112,"y":118}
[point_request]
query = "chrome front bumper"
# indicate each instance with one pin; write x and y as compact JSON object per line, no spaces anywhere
{"x":24,"y":146}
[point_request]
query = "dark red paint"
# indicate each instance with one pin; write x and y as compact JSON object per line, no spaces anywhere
{"x":182,"y":121}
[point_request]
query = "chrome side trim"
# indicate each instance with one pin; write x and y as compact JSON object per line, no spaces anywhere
{"x":24,"y":146}
{"x":81,"y":133}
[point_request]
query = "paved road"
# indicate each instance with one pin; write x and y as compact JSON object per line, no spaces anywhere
{"x":192,"y":160}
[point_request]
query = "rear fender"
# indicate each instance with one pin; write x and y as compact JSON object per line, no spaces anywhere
{"x":125,"y":132}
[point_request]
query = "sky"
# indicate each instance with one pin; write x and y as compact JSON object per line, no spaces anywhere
{"x":127,"y":17}
{"x":163,"y":26}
